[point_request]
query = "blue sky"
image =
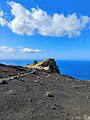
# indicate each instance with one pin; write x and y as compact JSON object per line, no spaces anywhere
{"x":57,"y":29}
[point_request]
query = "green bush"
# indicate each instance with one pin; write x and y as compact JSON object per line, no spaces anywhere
{"x":35,"y":62}
{"x":28,"y":64}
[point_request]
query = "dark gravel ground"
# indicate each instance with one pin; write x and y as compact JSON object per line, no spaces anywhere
{"x":9,"y":70}
{"x":43,"y":96}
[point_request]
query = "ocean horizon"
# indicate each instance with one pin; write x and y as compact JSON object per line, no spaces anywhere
{"x":79,"y":69}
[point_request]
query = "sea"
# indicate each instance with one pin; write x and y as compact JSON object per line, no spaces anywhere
{"x":74,"y":68}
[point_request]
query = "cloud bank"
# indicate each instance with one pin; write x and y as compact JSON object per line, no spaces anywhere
{"x":6,"y":49}
{"x":37,"y":21}
{"x":28,"y":50}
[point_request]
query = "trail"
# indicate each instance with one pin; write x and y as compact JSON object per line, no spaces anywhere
{"x":12,"y":77}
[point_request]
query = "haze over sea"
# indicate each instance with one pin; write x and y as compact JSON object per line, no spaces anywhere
{"x":77,"y":69}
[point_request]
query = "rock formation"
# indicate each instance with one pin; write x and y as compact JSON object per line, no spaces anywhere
{"x":48,"y":65}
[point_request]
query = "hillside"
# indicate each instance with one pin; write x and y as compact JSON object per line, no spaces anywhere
{"x":37,"y":94}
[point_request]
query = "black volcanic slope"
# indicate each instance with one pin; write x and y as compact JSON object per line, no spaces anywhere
{"x":38,"y":95}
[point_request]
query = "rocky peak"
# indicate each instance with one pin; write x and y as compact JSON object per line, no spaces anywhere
{"x":49,"y":65}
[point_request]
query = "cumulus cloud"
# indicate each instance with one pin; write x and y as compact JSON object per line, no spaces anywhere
{"x":28,"y":50}
{"x":6,"y":49}
{"x":37,"y":21}
{"x":3,"y":22}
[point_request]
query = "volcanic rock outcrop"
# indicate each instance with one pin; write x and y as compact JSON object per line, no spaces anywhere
{"x":48,"y":65}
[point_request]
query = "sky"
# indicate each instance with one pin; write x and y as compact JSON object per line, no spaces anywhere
{"x":41,"y":29}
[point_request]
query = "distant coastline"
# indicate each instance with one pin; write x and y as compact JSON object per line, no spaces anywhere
{"x":79,"y":69}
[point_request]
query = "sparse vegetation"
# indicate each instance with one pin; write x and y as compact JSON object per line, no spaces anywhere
{"x":35,"y":62}
{"x":28,"y":64}
{"x":86,"y":117}
{"x":3,"y":82}
{"x":49,"y":94}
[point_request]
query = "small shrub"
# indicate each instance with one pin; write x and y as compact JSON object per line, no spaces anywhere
{"x":28,"y":64}
{"x":35,"y":62}
{"x":3,"y":82}
{"x":49,"y":94}
{"x":86,"y":117}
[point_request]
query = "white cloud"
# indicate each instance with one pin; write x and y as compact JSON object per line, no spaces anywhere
{"x":28,"y":50}
{"x":6,"y":49}
{"x":37,"y":21}
{"x":23,"y":50}
{"x":2,"y":20}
